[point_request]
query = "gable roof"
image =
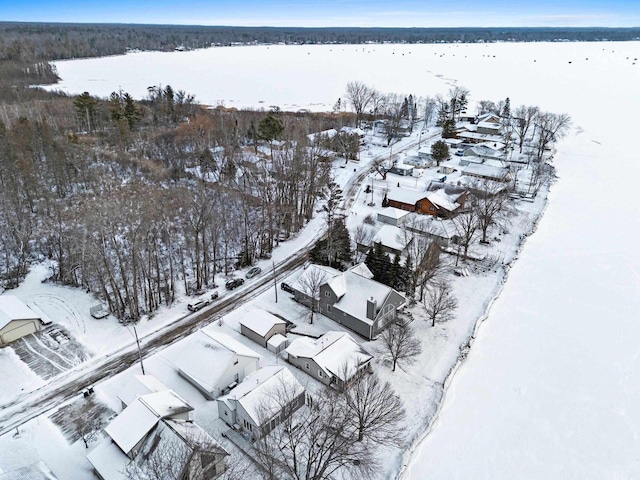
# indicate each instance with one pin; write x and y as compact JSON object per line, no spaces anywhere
{"x":257,"y":393}
{"x":487,"y":171}
{"x":314,"y":271}
{"x":354,"y":292}
{"x":404,"y":195}
{"x":392,"y":212}
{"x":260,"y":321}
{"x":335,"y":352}
{"x":139,"y":385}
{"x":12,"y":308}
{"x":441,"y":200}
{"x":362,"y":270}
{"x":392,"y":237}
{"x":132,"y":425}
{"x":207,"y":356}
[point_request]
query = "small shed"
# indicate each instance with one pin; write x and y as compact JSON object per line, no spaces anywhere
{"x":260,"y":326}
{"x":16,"y":320}
{"x":402,"y":169}
{"x":277,"y":343}
{"x":392,"y":216}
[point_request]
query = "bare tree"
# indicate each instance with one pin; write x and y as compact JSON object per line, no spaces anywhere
{"x":178,"y":451}
{"x":522,"y":119}
{"x":466,"y":226}
{"x":491,"y":205}
{"x":310,"y":282}
{"x":399,"y":340}
{"x":440,"y":303}
{"x":375,"y":408}
{"x":360,"y":96}
{"x":429,"y":111}
{"x":551,"y":127}
{"x":458,"y":100}
{"x":362,"y":236}
{"x":315,"y":443}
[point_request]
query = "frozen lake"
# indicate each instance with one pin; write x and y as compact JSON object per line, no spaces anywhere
{"x":550,"y":387}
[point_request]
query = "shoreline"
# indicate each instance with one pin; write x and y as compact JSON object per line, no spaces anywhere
{"x":409,"y":453}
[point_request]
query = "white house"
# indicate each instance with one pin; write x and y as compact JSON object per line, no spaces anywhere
{"x":392,"y":216}
{"x":157,"y":422}
{"x":260,"y":326}
{"x":262,"y":401}
{"x":16,"y":320}
{"x":333,"y":359}
{"x":214,"y":362}
{"x":137,"y":386}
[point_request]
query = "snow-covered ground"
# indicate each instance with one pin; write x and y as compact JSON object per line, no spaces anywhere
{"x":548,"y":388}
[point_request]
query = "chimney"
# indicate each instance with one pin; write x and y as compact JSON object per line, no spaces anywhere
{"x":371,"y":308}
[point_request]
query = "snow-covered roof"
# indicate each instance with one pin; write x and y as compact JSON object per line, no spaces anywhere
{"x":483,"y":151}
{"x":452,"y":141}
{"x":139,"y":385}
{"x":35,"y":471}
{"x":403,"y":167}
{"x":12,"y":308}
{"x":332,"y":132}
{"x":352,"y":130}
{"x":391,"y":237}
{"x":257,"y":394}
{"x":487,"y":137}
{"x":335,"y":352}
{"x":108,"y":460}
{"x":431,"y":225}
{"x":486,"y":171}
{"x":404,"y":195}
{"x":353,"y":290}
{"x":492,"y":145}
{"x":260,"y":321}
{"x":165,"y":404}
{"x":277,"y":340}
{"x":392,"y":212}
{"x":362,"y":270}
{"x":132,"y":425}
{"x":208,"y":355}
{"x":441,"y":200}
{"x":228,"y":342}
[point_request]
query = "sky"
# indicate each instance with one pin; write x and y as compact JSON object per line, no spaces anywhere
{"x":333,"y":13}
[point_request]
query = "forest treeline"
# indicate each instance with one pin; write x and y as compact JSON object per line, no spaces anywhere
{"x":135,"y":201}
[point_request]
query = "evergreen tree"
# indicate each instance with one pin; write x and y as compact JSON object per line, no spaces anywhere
{"x":270,"y":128}
{"x":86,"y":106}
{"x":440,"y":152}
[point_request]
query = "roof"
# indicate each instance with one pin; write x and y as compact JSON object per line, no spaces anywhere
{"x":404,"y":195}
{"x":391,"y":237}
{"x":362,"y":270}
{"x":441,"y":200}
{"x":260,"y":321}
{"x":392,"y":212}
{"x":108,"y":460}
{"x":402,"y":166}
{"x":486,"y":171}
{"x":12,"y":308}
{"x":480,"y":136}
{"x":140,"y":385}
{"x":335,"y":352}
{"x":257,"y":394}
{"x":432,"y":225}
{"x":355,"y":290}
{"x":35,"y":471}
{"x":332,"y":132}
{"x":277,"y":340}
{"x":208,"y":355}
{"x":132,"y":425}
{"x":165,"y":404}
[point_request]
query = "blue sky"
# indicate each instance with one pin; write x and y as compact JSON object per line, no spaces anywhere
{"x":359,"y":13}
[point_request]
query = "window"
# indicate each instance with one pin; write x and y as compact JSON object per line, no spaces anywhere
{"x":306,"y":365}
{"x":236,"y":362}
{"x":432,"y":208}
{"x":329,"y":308}
{"x":327,"y":293}
{"x":320,"y":373}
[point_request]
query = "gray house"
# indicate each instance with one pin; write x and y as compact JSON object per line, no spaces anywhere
{"x":308,"y":282}
{"x":333,"y":359}
{"x":359,"y":303}
{"x":260,"y":326}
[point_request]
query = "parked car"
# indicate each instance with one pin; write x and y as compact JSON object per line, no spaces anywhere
{"x":214,"y":295}
{"x":286,"y":287}
{"x":460,"y":153}
{"x":234,"y":283}
{"x":194,"y":307}
{"x":253,"y":272}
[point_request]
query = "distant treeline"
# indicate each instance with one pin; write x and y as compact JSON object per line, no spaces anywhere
{"x":32,"y":42}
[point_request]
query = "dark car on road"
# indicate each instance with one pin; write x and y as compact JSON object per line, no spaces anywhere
{"x":286,"y":287}
{"x":234,"y":283}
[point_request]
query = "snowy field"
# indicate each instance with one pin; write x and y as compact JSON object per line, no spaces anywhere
{"x":548,"y":390}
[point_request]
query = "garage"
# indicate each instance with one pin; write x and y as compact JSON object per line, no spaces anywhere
{"x":16,"y":320}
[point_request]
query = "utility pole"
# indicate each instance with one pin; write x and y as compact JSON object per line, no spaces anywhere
{"x":275,"y":283}
{"x":139,"y":351}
